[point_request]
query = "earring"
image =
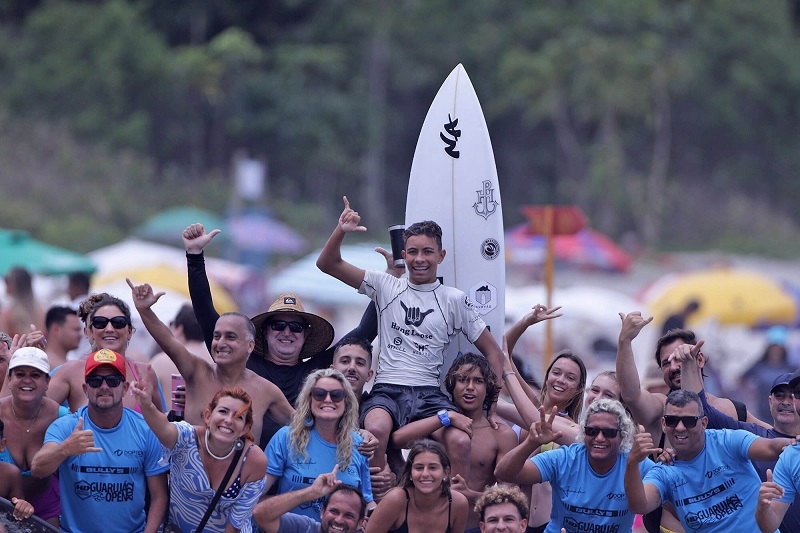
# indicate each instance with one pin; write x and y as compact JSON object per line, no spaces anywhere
{"x":308,"y":421}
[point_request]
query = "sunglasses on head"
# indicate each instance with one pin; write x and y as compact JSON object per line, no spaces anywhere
{"x":294,"y":327}
{"x":319,"y":394}
{"x":118,"y":322}
{"x":113,"y":381}
{"x":608,"y":433}
{"x":688,"y":421}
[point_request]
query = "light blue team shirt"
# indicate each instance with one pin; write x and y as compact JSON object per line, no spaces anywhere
{"x":717,"y":491}
{"x":296,"y":473}
{"x":582,"y":499}
{"x":787,"y":473}
{"x":106,"y":489}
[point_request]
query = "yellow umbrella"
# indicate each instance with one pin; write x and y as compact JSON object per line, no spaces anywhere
{"x":169,"y":279}
{"x":730,"y":296}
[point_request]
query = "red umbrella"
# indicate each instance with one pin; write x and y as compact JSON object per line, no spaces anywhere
{"x":586,"y":249}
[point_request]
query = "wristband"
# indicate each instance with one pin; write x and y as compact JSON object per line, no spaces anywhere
{"x":506,"y":374}
{"x":443,"y":417}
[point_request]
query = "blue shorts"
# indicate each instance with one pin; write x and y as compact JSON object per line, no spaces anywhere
{"x":405,"y":404}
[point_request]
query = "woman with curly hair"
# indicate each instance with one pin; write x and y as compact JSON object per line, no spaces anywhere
{"x":107,"y":325}
{"x":322,"y":434}
{"x":422,"y":500}
{"x":587,"y":477}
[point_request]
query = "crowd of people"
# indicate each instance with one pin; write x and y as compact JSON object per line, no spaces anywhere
{"x":280,"y":430}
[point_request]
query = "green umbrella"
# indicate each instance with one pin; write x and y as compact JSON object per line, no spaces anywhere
{"x":18,"y":249}
{"x":167,"y":226}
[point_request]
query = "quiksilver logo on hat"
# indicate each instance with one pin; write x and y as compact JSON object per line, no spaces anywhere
{"x":105,"y":356}
{"x":288,"y":300}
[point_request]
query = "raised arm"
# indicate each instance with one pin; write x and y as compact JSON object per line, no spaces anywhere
{"x":770,"y":510}
{"x":195,"y":240}
{"x":165,"y":431}
{"x":643,"y":405}
{"x":143,"y":299}
{"x":268,"y":513}
{"x":330,"y":259}
{"x":642,"y":498}
{"x":768,"y":449}
{"x":514,"y":466}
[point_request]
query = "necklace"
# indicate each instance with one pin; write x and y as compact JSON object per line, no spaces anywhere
{"x":217,"y":457}
{"x":19,"y":422}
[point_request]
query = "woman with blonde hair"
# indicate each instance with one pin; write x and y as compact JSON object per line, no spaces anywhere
{"x":322,"y":433}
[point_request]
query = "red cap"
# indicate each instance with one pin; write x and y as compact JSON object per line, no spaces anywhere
{"x":104,"y":357}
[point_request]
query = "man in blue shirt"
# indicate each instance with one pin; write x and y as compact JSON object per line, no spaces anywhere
{"x":712,"y":483}
{"x":106,"y":456}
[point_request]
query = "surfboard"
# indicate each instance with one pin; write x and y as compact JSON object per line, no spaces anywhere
{"x":34,"y":524}
{"x":454,"y":183}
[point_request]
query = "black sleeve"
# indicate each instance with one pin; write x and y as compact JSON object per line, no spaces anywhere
{"x":200,"y":293}
{"x":366,"y":329}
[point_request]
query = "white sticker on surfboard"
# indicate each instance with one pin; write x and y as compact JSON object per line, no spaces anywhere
{"x":454,"y":183}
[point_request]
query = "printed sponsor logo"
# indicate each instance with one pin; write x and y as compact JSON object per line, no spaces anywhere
{"x":490,"y":249}
{"x":410,"y":332}
{"x":706,"y":495}
{"x":575,"y":526}
{"x":129,"y":453}
{"x":451,"y":140}
{"x":485,"y":296}
{"x":414,"y":315}
{"x":104,"y":492}
{"x":486,"y":204}
{"x":715,"y":513}
{"x":714,"y":472}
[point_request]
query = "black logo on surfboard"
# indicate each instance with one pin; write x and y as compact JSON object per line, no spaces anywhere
{"x":490,"y":249}
{"x":486,"y":204}
{"x":450,"y":129}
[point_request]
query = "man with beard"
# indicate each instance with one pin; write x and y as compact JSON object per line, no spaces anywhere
{"x":106,"y":456}
{"x":343,"y":508}
{"x":646,"y":407}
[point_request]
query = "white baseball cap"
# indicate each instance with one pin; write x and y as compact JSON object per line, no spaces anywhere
{"x":30,"y":356}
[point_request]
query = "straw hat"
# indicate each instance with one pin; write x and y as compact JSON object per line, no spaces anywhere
{"x":318,"y":336}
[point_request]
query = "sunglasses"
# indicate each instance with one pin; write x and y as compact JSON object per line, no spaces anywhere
{"x":609,"y":433}
{"x":118,"y":322}
{"x":294,"y":327}
{"x":319,"y":394}
{"x":688,"y":421}
{"x":113,"y":381}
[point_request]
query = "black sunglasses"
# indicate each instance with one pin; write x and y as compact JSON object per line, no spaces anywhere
{"x":113,"y":381}
{"x":118,"y":322}
{"x":688,"y":421}
{"x":294,"y":327}
{"x":319,"y":394}
{"x":609,"y":433}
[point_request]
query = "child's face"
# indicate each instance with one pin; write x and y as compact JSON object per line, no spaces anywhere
{"x":422,"y":256}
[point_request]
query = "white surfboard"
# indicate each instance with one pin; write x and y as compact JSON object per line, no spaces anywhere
{"x":454,"y":183}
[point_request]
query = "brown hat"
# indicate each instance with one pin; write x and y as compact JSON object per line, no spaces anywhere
{"x":318,"y":336}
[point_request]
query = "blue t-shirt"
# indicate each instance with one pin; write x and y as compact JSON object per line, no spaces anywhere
{"x":582,"y":499}
{"x":107,"y":487}
{"x":787,"y":472}
{"x":296,"y":473}
{"x":717,"y":491}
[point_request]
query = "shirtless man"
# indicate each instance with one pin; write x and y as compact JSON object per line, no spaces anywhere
{"x":473,"y":385}
{"x":234,"y":340}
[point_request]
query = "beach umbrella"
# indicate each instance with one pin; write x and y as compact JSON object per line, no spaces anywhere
{"x":727,"y":295}
{"x":167,"y":226}
{"x":585,"y":249}
{"x":161,"y":277}
{"x":260,"y":232}
{"x":18,"y":249}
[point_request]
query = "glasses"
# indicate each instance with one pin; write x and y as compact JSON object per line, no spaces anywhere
{"x":319,"y":394}
{"x":118,"y":322}
{"x":113,"y":381}
{"x":294,"y":327}
{"x":688,"y":421}
{"x":609,"y":433}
